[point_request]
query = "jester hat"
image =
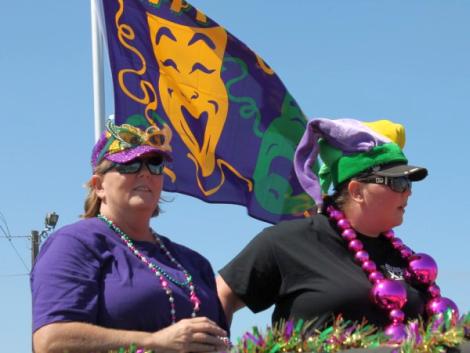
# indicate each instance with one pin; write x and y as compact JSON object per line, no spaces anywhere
{"x":123,"y":143}
{"x":348,"y":148}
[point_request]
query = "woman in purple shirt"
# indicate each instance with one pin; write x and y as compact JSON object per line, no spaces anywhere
{"x":109,"y":280}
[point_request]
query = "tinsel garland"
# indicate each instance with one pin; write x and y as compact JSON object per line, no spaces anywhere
{"x":434,"y":337}
{"x":132,"y":349}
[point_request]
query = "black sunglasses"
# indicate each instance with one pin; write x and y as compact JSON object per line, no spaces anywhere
{"x":397,"y":184}
{"x":155,"y":165}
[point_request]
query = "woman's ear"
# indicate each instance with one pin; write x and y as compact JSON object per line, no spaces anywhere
{"x":96,"y":182}
{"x":356,"y":191}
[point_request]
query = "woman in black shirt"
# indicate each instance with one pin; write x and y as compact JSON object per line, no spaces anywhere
{"x":346,"y":259}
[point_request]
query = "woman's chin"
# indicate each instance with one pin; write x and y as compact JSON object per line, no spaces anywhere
{"x":143,"y":205}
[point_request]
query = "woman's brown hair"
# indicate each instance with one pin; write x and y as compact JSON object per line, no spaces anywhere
{"x":338,"y":198}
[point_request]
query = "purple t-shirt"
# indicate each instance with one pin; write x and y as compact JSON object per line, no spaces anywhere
{"x":85,"y":273}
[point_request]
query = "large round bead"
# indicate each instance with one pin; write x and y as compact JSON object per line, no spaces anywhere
{"x":355,"y":245}
{"x":388,"y":294}
{"x":336,"y":215}
{"x":343,"y":224}
{"x":406,"y":252}
{"x":396,"y":315}
{"x":396,"y":332}
{"x":361,"y":256}
{"x":369,"y":266}
{"x":440,"y":305}
{"x":389,"y":234}
{"x":348,"y":234}
{"x":434,"y":290}
{"x":422,"y":268}
{"x":397,"y":243}
{"x":375,"y":277}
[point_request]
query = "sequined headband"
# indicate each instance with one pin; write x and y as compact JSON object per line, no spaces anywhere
{"x":119,"y":140}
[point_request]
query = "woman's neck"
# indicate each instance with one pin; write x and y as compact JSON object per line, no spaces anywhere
{"x":135,"y":224}
{"x":361,"y":223}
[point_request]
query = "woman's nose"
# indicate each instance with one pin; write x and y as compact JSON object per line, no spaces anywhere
{"x":408,"y":192}
{"x":144,"y":170}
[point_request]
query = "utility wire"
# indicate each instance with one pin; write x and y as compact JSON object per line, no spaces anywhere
{"x":14,"y":236}
{"x":4,"y":221}
{"x":6,"y":231}
{"x":14,"y":275}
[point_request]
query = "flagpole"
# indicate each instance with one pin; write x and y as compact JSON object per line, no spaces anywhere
{"x":98,"y":77}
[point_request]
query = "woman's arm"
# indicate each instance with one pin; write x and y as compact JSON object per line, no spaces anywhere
{"x":189,"y":335}
{"x":230,"y":301}
{"x":83,"y":337}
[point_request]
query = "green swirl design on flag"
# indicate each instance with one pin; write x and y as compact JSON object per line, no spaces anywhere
{"x":249,"y":107}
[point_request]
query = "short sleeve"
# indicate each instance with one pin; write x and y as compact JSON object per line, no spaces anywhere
{"x":65,"y":282}
{"x":254,"y":274}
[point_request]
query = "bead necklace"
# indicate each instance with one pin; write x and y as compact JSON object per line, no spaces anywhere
{"x":159,"y":272}
{"x":391,"y":295}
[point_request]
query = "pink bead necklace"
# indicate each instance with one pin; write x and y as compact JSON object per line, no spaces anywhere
{"x":390,"y":295}
{"x":159,"y":272}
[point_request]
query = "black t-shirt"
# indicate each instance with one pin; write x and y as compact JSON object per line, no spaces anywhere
{"x":304,"y":268}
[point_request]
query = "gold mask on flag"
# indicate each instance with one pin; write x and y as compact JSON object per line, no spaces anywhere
{"x":190,"y":84}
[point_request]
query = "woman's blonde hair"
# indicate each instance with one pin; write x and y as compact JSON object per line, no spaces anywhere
{"x":93,"y":202}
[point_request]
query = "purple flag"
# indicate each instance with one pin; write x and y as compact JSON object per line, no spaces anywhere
{"x":235,"y":126}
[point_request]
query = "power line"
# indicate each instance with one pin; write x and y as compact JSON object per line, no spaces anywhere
{"x":18,"y":254}
{"x":4,"y":221}
{"x":36,"y":237}
{"x":14,"y":275}
{"x":14,"y":236}
{"x":6,"y":231}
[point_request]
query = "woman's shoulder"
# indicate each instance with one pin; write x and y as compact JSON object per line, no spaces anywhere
{"x":313,"y":228}
{"x":82,"y":229}
{"x":72,"y":246}
{"x":89,"y":233}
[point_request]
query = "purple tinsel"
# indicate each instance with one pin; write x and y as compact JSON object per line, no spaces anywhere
{"x":289,"y":329}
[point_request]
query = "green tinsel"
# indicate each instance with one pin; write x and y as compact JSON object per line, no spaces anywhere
{"x":433,"y":337}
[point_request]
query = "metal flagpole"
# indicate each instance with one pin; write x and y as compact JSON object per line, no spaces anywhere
{"x":98,"y":76}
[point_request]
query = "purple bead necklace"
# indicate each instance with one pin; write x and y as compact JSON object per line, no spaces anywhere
{"x":159,"y":272}
{"x":390,"y":295}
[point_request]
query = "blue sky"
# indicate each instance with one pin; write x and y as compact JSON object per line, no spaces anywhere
{"x":408,"y":61}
